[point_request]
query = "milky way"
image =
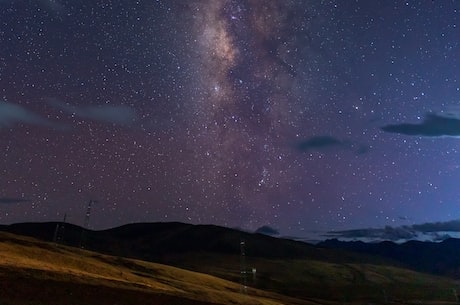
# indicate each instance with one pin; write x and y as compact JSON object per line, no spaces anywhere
{"x":245,"y":106}
{"x":241,"y":113}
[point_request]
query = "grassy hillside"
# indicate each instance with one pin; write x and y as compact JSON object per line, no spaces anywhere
{"x":286,"y":268}
{"x":35,"y":272}
{"x":337,"y":282}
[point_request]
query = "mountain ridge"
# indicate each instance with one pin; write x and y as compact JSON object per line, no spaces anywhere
{"x":151,"y":240}
{"x":439,"y":258}
{"x":290,"y":268}
{"x":161,"y":240}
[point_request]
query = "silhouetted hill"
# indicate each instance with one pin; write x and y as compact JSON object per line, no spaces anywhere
{"x":171,"y":242}
{"x":155,"y":241}
{"x":436,"y":258}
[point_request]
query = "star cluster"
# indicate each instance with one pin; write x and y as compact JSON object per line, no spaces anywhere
{"x":244,"y":113}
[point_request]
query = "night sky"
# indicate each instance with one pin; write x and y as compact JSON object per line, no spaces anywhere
{"x":300,"y":115}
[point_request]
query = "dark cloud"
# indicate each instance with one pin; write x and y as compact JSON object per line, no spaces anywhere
{"x":436,"y":231}
{"x":448,"y":226}
{"x":9,"y":200}
{"x":362,"y":149}
{"x":116,"y":114}
{"x":321,"y":143}
{"x":11,"y":114}
{"x":433,"y":125}
{"x":267,"y":230}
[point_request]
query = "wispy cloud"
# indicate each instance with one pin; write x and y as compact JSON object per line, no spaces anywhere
{"x":10,"y":200}
{"x":387,"y":233}
{"x":115,"y":114}
{"x":51,"y":5}
{"x":11,"y":114}
{"x":434,"y":231}
{"x":433,"y":125}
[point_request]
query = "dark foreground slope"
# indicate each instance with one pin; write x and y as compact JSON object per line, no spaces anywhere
{"x":286,"y":267}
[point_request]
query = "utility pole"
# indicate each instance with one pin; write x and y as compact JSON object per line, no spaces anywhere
{"x":86,"y":223}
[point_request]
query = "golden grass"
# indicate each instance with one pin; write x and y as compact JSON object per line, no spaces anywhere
{"x":46,"y":261}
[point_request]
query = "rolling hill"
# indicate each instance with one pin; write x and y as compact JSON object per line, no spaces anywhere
{"x":36,"y":272}
{"x":284,"y":267}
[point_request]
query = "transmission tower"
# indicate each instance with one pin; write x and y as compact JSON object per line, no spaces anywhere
{"x":59,"y":231}
{"x":86,"y":223}
{"x":243,"y":278}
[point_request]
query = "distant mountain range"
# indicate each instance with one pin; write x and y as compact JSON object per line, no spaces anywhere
{"x":169,"y":242}
{"x":441,"y":258}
